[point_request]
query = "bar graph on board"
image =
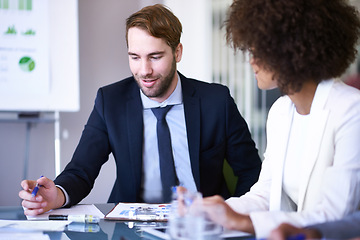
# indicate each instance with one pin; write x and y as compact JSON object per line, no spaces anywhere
{"x":22,"y":5}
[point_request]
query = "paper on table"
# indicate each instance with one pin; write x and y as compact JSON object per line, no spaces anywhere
{"x":25,"y":225}
{"x":151,"y":212}
{"x":89,"y":209}
{"x":161,"y":233}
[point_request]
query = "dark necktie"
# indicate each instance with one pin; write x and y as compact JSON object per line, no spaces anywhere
{"x":167,"y":168}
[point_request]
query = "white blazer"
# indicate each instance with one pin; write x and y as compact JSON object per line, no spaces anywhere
{"x":330,"y":184}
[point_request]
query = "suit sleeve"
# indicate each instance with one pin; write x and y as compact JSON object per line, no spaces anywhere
{"x":242,"y":154}
{"x":91,"y":153}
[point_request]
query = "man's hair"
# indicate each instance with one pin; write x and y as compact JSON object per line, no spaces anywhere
{"x":297,"y":40}
{"x":159,"y":22}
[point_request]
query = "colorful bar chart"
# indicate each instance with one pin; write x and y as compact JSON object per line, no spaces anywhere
{"x":23,"y":5}
{"x":5,"y":4}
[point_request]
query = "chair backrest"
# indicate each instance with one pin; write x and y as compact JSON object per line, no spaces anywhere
{"x":230,"y":178}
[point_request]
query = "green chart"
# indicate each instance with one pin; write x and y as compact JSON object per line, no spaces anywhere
{"x":27,"y":64}
{"x":23,"y":5}
{"x":4,"y":4}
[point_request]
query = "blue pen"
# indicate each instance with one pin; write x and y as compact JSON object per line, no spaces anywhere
{"x":36,"y":189}
{"x":300,"y":236}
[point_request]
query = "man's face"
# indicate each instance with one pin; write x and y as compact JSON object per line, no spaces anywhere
{"x":153,"y":64}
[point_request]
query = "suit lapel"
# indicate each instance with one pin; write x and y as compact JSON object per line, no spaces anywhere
{"x":318,"y":121}
{"x":192,"y":121}
{"x":134,"y":112}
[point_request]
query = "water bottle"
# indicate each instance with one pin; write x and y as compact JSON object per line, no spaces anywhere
{"x":176,"y":228}
{"x":186,"y":218}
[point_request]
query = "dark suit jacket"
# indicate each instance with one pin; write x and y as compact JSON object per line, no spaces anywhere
{"x":215,"y":131}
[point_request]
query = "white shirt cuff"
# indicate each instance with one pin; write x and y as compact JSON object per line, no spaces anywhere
{"x":67,"y":198}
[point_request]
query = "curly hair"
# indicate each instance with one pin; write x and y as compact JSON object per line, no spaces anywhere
{"x":298,"y":40}
{"x":159,"y":22}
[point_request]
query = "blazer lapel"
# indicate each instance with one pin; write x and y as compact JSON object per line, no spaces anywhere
{"x":279,"y":138}
{"x":134,"y":112}
{"x":318,"y":121}
{"x":192,"y":121}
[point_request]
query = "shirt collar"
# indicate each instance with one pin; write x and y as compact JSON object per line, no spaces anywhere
{"x":174,"y":99}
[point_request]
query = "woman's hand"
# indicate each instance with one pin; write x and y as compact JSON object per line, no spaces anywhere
{"x":221,"y":213}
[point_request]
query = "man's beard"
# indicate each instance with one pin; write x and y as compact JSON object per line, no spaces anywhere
{"x":161,"y":88}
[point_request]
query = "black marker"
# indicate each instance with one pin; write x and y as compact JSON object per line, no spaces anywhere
{"x":76,"y":218}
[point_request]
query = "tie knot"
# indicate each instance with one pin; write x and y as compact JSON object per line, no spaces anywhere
{"x":160,"y":112}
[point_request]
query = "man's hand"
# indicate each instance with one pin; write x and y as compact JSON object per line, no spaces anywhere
{"x":48,"y":197}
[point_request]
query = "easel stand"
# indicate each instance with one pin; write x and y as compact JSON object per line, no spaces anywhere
{"x":31,"y":119}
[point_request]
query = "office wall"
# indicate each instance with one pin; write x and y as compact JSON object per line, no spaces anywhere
{"x":196,"y":37}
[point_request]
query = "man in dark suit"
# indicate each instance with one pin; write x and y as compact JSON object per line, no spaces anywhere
{"x":204,"y":123}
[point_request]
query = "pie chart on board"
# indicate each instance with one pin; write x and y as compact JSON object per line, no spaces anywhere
{"x":27,"y":64}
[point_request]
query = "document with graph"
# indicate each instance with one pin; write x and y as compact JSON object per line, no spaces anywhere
{"x":139,"y":212}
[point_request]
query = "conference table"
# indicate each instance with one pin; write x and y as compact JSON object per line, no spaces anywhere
{"x":106,"y":230}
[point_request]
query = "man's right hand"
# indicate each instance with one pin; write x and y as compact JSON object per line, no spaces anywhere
{"x":48,"y":197}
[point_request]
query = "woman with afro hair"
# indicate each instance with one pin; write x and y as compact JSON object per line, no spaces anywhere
{"x":311,"y":168}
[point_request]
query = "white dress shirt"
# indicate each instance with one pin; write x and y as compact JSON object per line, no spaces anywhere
{"x":152,"y":187}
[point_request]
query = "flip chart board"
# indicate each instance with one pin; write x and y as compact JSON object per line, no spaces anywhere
{"x":39,"y":55}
